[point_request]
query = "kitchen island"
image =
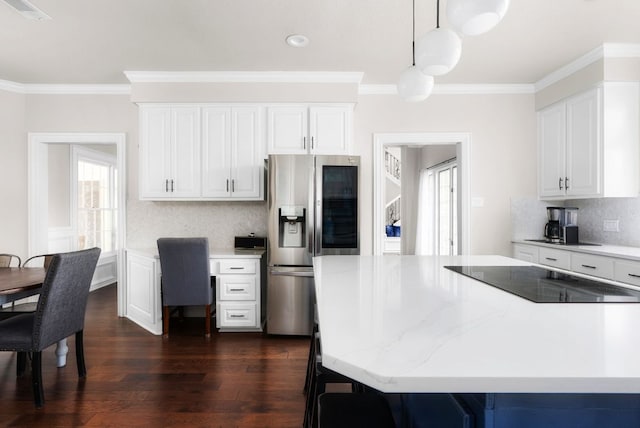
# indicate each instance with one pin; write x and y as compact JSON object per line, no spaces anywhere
{"x":405,"y":324}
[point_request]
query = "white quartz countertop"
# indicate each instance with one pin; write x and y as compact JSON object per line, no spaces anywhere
{"x":406,"y":324}
{"x":227,"y":253}
{"x":630,"y":253}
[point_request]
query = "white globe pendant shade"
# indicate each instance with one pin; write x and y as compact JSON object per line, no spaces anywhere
{"x":438,"y":51}
{"x":413,"y":85}
{"x":473,"y":17}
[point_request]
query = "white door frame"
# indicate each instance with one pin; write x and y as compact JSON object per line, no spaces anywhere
{"x":417,"y":140}
{"x":37,"y":199}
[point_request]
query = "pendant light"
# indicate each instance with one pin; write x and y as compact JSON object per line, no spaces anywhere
{"x":413,"y":85}
{"x":473,"y":17}
{"x":438,"y":51}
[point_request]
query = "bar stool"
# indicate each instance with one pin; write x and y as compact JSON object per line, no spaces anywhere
{"x":345,"y":410}
{"x":317,"y":379}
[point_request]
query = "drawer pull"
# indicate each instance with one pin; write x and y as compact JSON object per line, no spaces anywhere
{"x":551,"y":259}
{"x":589,"y":267}
{"x":236,"y":289}
{"x":236,"y":268}
{"x":236,"y":316}
{"x":633,"y":275}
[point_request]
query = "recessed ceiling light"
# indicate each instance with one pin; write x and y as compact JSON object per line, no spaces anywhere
{"x":297,"y":40}
{"x":27,"y":9}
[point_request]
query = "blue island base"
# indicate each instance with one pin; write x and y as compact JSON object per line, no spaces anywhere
{"x":517,"y":410}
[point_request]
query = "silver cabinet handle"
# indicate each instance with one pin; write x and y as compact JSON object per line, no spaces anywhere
{"x":566,"y":183}
{"x":233,"y":185}
{"x":304,"y":142}
{"x":166,"y":185}
{"x":236,"y":268}
{"x":227,"y":184}
{"x":236,"y":316}
{"x":560,"y":183}
{"x":633,"y":275}
{"x":236,"y":289}
{"x":589,"y":267}
{"x":172,"y":185}
{"x":551,"y":259}
{"x":311,"y":143}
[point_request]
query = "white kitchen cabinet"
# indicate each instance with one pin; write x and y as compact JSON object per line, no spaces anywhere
{"x":627,"y":271}
{"x":316,"y":129}
{"x":239,"y":294}
{"x":588,"y":144}
{"x":169,"y":152}
{"x":555,"y":258}
{"x":526,"y":253}
{"x":143,"y":291}
{"x":593,"y":265}
{"x":232,"y":153}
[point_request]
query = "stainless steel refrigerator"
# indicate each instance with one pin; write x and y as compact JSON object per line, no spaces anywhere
{"x":313,"y":211}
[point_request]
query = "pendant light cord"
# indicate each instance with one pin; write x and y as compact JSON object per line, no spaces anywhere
{"x":437,"y":13}
{"x":413,"y":35}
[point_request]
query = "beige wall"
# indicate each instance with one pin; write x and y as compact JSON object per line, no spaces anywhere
{"x":503,"y":157}
{"x":13,"y":174}
{"x":59,"y":185}
{"x":503,"y":153}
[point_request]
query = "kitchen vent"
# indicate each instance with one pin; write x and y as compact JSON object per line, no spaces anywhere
{"x":28,"y":10}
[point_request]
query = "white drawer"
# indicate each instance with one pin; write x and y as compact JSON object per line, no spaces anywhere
{"x":627,"y":272}
{"x":237,"y":266}
{"x":527,"y":253}
{"x":592,"y":265}
{"x":236,"y":315}
{"x":556,"y":258}
{"x":236,"y":287}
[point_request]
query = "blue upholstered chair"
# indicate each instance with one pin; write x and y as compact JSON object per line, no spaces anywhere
{"x":59,"y":314}
{"x":186,"y":279}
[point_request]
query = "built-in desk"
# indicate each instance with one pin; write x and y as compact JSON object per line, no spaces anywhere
{"x":404,"y":324}
{"x":240,"y":288}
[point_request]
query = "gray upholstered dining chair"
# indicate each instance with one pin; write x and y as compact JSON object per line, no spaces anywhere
{"x":59,"y":314}
{"x":186,"y":278}
{"x":7,"y":259}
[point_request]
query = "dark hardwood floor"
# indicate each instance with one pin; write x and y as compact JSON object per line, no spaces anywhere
{"x":137,"y":379}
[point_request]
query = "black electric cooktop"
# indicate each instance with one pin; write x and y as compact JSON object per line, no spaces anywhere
{"x":546,"y":286}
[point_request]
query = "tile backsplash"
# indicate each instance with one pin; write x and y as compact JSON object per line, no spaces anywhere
{"x":218,"y":221}
{"x":529,"y":215}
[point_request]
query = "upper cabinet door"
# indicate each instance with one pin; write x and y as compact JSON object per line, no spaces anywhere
{"x":169,"y":152}
{"x":216,"y":152}
{"x":155,"y":152}
{"x":551,"y":151}
{"x":185,"y":154}
{"x":584,"y":145}
{"x":330,"y":130}
{"x":287,"y":129}
{"x":247,"y":154}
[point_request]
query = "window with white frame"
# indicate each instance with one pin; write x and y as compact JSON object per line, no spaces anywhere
{"x":95,"y":199}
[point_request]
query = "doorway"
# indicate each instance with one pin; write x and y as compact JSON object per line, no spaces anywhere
{"x":45,"y":239}
{"x":459,"y":143}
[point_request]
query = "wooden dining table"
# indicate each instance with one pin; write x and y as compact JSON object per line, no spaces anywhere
{"x":19,"y":282}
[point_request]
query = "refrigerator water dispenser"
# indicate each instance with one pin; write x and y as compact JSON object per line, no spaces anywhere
{"x":292,"y":225}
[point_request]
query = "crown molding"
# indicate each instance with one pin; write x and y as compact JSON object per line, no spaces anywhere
{"x":607,"y":50}
{"x":244,"y":76}
{"x":80,"y":89}
{"x":451,"y":89}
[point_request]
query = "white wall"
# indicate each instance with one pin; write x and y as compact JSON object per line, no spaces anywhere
{"x":503,"y":153}
{"x":503,"y":156}
{"x":59,"y":185}
{"x":13,"y":174}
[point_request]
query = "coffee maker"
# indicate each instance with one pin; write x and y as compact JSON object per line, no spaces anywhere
{"x":562,"y":225}
{"x":553,"y":230}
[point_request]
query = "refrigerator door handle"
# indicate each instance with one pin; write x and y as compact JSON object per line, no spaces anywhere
{"x":306,"y":274}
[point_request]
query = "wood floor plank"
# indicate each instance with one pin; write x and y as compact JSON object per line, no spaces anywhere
{"x":138,"y":379}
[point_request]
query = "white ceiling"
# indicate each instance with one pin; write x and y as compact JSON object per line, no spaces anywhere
{"x":94,"y":41}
